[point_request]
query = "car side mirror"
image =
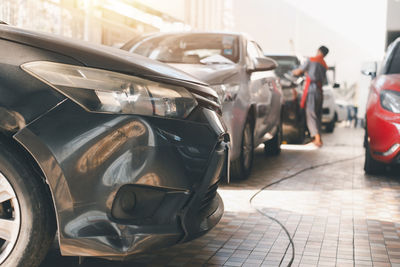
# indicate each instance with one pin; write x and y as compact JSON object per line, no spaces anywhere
{"x":263,"y":64}
{"x":370,"y":69}
{"x":336,"y":85}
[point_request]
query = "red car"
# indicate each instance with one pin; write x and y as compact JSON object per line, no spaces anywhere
{"x":382,"y":135}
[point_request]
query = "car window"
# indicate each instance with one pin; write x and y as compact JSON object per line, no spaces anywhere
{"x":394,"y":66}
{"x":252,"y":50}
{"x":259,"y":50}
{"x":191,"y":48}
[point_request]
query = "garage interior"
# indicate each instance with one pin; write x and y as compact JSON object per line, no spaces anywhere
{"x":305,"y":207}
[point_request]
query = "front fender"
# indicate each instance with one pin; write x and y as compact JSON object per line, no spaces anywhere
{"x":88,"y":158}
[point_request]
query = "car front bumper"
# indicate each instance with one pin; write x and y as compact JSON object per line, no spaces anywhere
{"x":124,"y":184}
{"x":328,"y":113}
{"x":384,"y":136}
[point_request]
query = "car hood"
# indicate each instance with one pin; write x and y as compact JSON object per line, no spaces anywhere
{"x":211,"y":74}
{"x":97,"y":56}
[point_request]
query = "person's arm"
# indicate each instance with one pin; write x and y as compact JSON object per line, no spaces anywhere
{"x":302,"y":69}
{"x":297,"y":72}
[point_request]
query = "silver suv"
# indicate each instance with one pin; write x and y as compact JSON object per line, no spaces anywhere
{"x":236,"y":68}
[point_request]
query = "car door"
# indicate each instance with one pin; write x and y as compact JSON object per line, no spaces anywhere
{"x":261,"y":92}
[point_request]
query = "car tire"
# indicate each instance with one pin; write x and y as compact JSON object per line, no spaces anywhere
{"x":372,"y":166}
{"x":241,"y":167}
{"x":273,"y":147}
{"x":25,"y":207}
{"x":301,"y":135}
{"x":330,"y":127}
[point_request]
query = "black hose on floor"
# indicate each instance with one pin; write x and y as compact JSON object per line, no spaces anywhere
{"x":291,"y":243}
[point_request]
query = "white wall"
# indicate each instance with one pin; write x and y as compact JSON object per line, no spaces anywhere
{"x":393,"y":18}
{"x":353,"y":30}
{"x":175,"y":8}
{"x":207,"y":15}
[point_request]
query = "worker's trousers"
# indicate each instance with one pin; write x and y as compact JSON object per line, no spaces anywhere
{"x":314,"y":109}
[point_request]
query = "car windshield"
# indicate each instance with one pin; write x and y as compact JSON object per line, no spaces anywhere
{"x":191,"y":48}
{"x":394,"y":67}
{"x":285,"y":64}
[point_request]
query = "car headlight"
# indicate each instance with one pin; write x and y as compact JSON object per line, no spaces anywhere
{"x":390,"y":100}
{"x":226,"y":92}
{"x":104,"y":91}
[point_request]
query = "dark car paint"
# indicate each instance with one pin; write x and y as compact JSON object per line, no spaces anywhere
{"x":293,"y":117}
{"x":88,"y":159}
{"x":212,"y":74}
{"x":24,"y":98}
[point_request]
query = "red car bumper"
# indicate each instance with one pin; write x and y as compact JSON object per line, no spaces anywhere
{"x":383,"y":134}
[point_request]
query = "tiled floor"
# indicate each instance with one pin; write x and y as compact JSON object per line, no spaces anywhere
{"x":336,"y":215}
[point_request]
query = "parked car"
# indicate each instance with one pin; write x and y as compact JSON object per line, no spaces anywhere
{"x":236,"y":68}
{"x":329,"y":107}
{"x":342,"y":110}
{"x":293,"y":117}
{"x":118,"y":153}
{"x":382,"y":131}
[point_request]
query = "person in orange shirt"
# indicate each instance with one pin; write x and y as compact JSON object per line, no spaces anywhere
{"x":315,"y":70}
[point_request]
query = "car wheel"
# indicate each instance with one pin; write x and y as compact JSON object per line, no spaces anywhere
{"x":372,"y":166}
{"x":27,"y":223}
{"x":330,"y":127}
{"x":301,"y":135}
{"x":273,"y":147}
{"x":241,"y":167}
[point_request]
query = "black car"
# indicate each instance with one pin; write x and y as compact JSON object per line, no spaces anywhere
{"x":293,"y":117}
{"x":119,"y":153}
